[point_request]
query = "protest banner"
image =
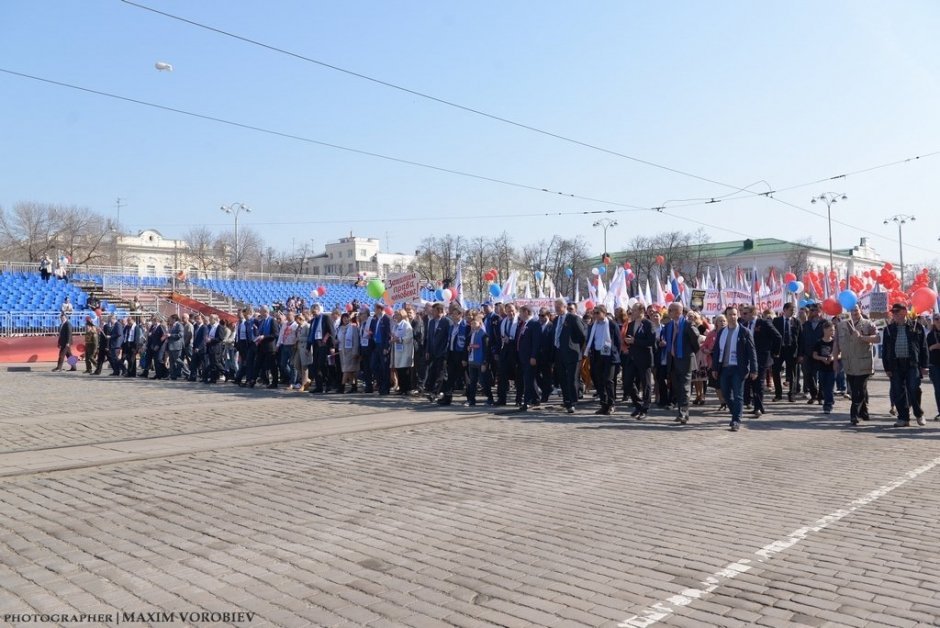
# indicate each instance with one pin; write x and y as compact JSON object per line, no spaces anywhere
{"x":403,"y":287}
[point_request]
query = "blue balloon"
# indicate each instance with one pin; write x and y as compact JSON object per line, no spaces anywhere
{"x":538,"y":275}
{"x":569,"y":272}
{"x":793,"y":286}
{"x":602,"y":270}
{"x":439,"y":294}
{"x":495,"y":290}
{"x":848,"y":299}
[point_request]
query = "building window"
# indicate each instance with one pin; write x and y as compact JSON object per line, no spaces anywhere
{"x":352,"y":267}
{"x":352,"y":253}
{"x":362,"y":253}
{"x":151,"y":270}
{"x":316,"y":270}
{"x":339,"y":254}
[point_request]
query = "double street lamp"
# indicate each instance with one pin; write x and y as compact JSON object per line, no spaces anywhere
{"x":605,"y":224}
{"x":900,"y":219}
{"x":235,"y":209}
{"x":830,"y":199}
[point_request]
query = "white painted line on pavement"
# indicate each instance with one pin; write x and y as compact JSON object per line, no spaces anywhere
{"x":660,"y":610}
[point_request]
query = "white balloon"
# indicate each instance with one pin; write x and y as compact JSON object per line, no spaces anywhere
{"x":163,"y":67}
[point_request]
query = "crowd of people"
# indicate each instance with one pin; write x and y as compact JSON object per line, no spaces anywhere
{"x":643,"y":358}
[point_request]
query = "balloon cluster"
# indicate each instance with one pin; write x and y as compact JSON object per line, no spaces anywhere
{"x":923,"y":299}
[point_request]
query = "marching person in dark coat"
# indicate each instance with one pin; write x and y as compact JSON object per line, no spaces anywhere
{"x":65,"y":342}
{"x":904,"y":357}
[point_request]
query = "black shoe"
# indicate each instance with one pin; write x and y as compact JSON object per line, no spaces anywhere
{"x":601,"y":410}
{"x":569,"y":410}
{"x":523,"y":408}
{"x":777,"y":398}
{"x":810,"y":402}
{"x":854,"y":420}
{"x":269,"y":386}
{"x":790,"y":398}
{"x":735,"y":426}
{"x":722,"y":407}
{"x":756,"y":414}
{"x":636,"y":413}
{"x":642,"y":415}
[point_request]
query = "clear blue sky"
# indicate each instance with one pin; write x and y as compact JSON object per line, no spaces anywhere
{"x":786,"y":92}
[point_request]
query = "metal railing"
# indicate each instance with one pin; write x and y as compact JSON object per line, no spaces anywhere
{"x":28,"y":323}
{"x":131,"y":272}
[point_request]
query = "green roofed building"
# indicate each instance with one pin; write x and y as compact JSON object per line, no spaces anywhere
{"x":764,"y":254}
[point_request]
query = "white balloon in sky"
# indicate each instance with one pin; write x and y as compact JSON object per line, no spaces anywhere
{"x":163,"y":67}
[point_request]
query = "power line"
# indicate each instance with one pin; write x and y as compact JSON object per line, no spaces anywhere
{"x":626,"y":207}
{"x":431,"y":97}
{"x":309,"y":140}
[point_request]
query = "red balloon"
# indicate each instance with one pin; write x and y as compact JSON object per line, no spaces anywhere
{"x":589,"y":305}
{"x":924,"y":300}
{"x":660,"y":259}
{"x":670,"y":297}
{"x":321,"y":290}
{"x":389,"y":311}
{"x":627,"y":265}
{"x":832,"y":274}
{"x":888,"y":266}
{"x":787,"y":278}
{"x":831,"y":307}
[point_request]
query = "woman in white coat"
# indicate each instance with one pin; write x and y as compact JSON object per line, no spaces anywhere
{"x":403,"y":344}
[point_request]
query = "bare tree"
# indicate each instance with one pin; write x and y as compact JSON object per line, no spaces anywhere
{"x":27,"y":231}
{"x":81,"y":234}
{"x":250,"y":244}
{"x":797,"y":260}
{"x":201,"y":248}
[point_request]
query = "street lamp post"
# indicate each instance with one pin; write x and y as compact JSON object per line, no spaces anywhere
{"x":829,"y":198}
{"x":235,"y":209}
{"x":900,"y":219}
{"x":605,"y":224}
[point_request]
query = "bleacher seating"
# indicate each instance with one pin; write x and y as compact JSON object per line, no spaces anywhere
{"x":257,"y":293}
{"x":31,"y":305}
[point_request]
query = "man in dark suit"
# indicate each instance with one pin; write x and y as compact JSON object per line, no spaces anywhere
{"x":603,"y":352}
{"x":568,"y":336}
{"x":508,"y":357}
{"x":214,"y":338}
{"x":810,"y":334}
{"x":174,"y":346}
{"x":266,"y":343}
{"x":528,"y":343}
{"x":788,"y":326}
{"x":65,"y":342}
{"x":320,"y":341}
{"x":198,"y":367}
{"x":734,"y":359}
{"x":680,"y":340}
{"x":767,"y":342}
{"x":545,"y":378}
{"x":245,"y":345}
{"x":381,"y":351}
{"x":437,"y":340}
{"x":115,"y":340}
{"x":104,"y":335}
{"x":637,"y":360}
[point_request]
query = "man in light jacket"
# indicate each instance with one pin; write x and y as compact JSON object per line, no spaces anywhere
{"x":855,"y":337}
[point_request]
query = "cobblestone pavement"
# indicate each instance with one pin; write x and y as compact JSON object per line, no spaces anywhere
{"x":461,"y":518}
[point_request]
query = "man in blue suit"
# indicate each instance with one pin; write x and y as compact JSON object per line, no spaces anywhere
{"x":681,"y":342}
{"x":381,"y":352}
{"x":319,"y":341}
{"x":528,"y":343}
{"x":734,"y":359}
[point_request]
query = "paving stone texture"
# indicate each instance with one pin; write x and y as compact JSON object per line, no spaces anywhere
{"x":139,"y":496}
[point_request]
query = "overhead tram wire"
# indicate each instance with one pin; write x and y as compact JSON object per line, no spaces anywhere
{"x":625,"y":207}
{"x":431,"y":97}
{"x":309,"y":140}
